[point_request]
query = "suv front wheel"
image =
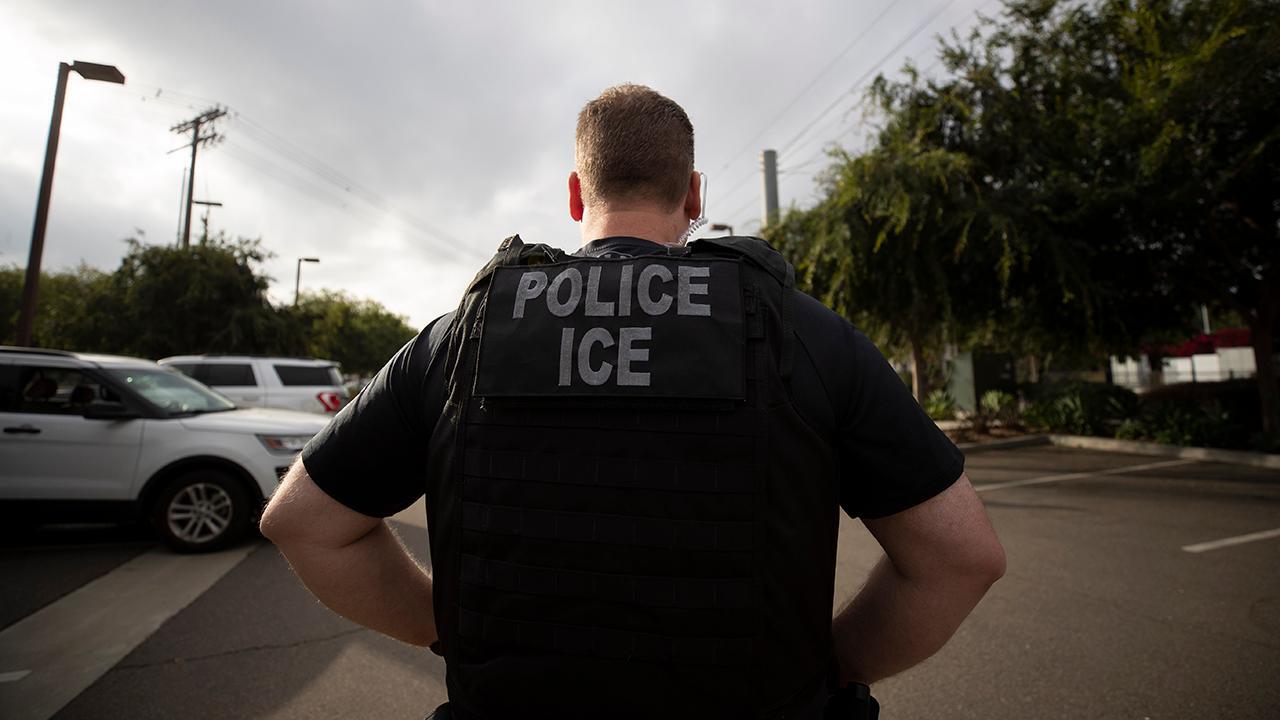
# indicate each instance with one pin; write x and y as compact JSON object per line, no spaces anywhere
{"x":201,"y":511}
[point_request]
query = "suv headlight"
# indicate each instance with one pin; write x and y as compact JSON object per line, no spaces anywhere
{"x":283,"y":443}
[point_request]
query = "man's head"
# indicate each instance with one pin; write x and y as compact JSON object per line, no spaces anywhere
{"x":634,"y":151}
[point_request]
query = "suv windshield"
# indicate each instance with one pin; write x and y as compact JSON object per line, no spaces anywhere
{"x":172,"y":392}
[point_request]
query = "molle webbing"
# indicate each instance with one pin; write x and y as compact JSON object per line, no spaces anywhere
{"x":691,"y":593}
{"x":612,"y":529}
{"x":605,"y":643}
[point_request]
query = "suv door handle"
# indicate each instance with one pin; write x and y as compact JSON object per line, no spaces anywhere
{"x":22,"y":430}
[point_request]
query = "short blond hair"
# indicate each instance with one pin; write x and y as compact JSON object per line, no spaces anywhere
{"x":632,"y":143}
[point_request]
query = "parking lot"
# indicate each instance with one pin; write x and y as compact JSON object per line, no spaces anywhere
{"x":1138,"y":587}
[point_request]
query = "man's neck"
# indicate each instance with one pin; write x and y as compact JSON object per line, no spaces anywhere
{"x":661,"y":228}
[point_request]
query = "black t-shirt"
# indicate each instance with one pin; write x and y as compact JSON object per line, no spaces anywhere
{"x":373,"y":456}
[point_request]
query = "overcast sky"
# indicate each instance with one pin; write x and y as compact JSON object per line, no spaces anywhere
{"x":400,"y":141}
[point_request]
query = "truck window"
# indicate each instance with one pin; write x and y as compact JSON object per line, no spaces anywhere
{"x":225,"y":375}
{"x":324,"y":375}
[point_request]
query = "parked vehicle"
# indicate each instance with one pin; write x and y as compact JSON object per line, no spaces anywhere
{"x":304,"y":384}
{"x":98,"y":437}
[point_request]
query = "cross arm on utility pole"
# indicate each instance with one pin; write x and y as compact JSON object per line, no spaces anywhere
{"x":193,"y":126}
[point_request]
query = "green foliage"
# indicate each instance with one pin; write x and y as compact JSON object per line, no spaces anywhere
{"x":1083,"y":178}
{"x":939,"y":405}
{"x":208,"y":299}
{"x":1183,"y":423}
{"x":360,"y":334}
{"x":1080,"y":408}
{"x":1000,"y":406}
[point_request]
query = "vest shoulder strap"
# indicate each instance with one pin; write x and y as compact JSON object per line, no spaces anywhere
{"x":760,"y":253}
{"x":514,"y":251}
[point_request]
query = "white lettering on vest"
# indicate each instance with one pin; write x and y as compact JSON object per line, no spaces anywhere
{"x":645,"y":296}
{"x":531,"y":285}
{"x":686,"y":287}
{"x":563,"y":309}
{"x":595,"y":308}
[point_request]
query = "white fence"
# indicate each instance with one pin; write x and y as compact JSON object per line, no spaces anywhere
{"x":1224,"y":364}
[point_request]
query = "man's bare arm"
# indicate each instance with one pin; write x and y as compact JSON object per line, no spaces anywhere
{"x":352,"y":562}
{"x":941,"y":557}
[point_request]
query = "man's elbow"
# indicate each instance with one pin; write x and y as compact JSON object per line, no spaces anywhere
{"x":995,"y":562}
{"x":280,"y":520}
{"x":273,"y":524}
{"x":985,"y":562}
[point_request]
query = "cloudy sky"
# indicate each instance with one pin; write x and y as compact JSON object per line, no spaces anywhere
{"x":399,"y":141}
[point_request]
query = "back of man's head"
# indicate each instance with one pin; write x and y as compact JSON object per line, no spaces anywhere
{"x":633,"y":146}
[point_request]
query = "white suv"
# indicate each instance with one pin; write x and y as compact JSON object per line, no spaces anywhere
{"x":291,"y":383}
{"x":93,"y":437}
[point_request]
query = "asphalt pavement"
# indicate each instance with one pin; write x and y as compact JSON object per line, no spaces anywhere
{"x":1138,"y":587}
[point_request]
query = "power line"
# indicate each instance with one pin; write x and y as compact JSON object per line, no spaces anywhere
{"x":826,"y":145}
{"x":827,"y":68}
{"x":910,"y":36}
{"x":347,"y":187}
{"x":313,"y":185}
{"x":867,"y":75}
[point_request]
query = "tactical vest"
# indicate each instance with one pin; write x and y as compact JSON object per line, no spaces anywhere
{"x":628,"y":517}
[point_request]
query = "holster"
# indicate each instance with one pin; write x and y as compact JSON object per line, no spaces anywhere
{"x":852,"y":702}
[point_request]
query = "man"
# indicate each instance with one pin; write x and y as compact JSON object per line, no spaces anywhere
{"x":632,"y":459}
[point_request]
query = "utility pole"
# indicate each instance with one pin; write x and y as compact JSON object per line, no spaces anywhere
{"x":769,"y":159}
{"x":204,"y":219}
{"x":193,"y":126}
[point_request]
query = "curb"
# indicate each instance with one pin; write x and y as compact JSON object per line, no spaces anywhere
{"x":1232,"y":457}
{"x":1006,"y":444}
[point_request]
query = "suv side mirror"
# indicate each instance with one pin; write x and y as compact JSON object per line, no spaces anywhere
{"x":108,"y":410}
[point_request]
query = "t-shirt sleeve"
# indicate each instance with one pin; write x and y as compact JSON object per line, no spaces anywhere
{"x":372,"y":457}
{"x":892,"y":455}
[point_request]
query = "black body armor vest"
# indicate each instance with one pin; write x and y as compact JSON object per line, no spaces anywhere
{"x":628,"y":517}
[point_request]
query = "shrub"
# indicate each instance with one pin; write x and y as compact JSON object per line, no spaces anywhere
{"x":1080,"y":408}
{"x":939,"y":405}
{"x":999,"y":406}
{"x":1185,"y":422}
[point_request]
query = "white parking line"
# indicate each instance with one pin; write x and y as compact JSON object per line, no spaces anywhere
{"x":1228,"y":542}
{"x":1075,"y":476}
{"x":13,"y":676}
{"x":70,"y":643}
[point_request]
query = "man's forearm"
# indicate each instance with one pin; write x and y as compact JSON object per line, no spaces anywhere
{"x":896,"y":622}
{"x":372,"y":581}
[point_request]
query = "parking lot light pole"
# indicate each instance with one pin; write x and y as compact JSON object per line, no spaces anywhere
{"x":89,"y":71}
{"x":297,"y":278}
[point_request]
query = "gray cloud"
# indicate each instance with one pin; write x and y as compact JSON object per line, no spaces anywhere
{"x":459,"y":114}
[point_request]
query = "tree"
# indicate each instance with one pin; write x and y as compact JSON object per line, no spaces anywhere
{"x":1135,"y":144}
{"x":1095,"y":170}
{"x":888,"y":246}
{"x":77,"y":309}
{"x":1205,"y":79}
{"x":361,"y":335}
{"x":207,"y":298}
{"x":210,"y":298}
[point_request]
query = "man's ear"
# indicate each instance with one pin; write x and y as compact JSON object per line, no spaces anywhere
{"x":575,"y":197}
{"x":693,"y":198}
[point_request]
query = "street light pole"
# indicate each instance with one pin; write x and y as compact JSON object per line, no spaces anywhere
{"x":297,"y":278}
{"x":31,"y":285}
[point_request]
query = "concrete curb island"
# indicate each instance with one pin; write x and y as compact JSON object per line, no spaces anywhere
{"x":1084,"y":442}
{"x":1232,"y":457}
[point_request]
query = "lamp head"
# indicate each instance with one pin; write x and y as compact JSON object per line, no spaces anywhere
{"x":94,"y":71}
